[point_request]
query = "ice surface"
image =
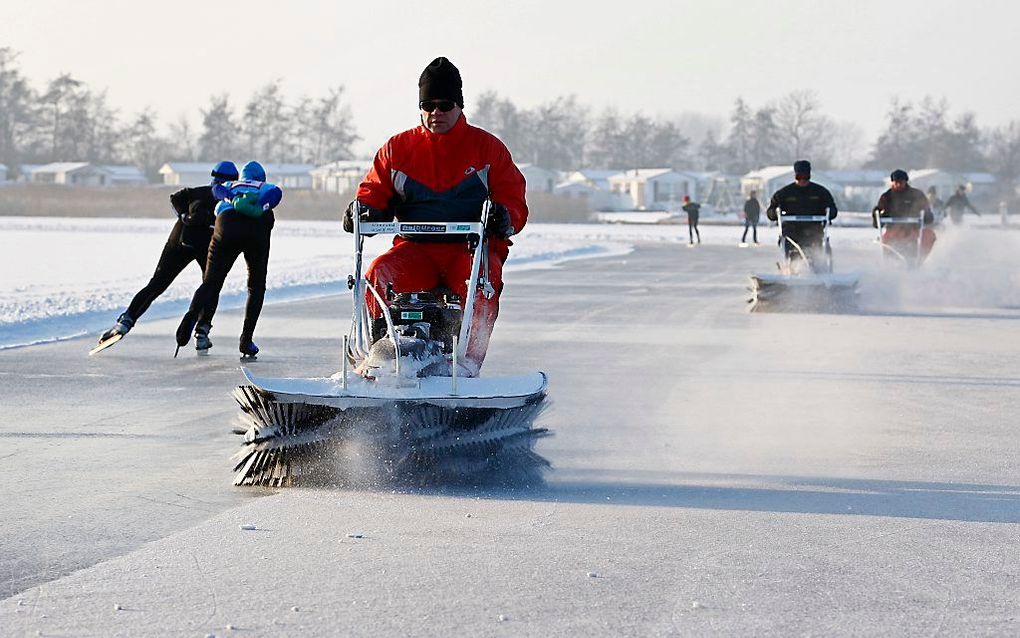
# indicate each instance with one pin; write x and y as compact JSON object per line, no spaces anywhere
{"x":726,"y":473}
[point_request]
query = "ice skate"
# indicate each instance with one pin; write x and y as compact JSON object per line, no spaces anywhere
{"x":202,"y":341}
{"x":249,"y":351}
{"x":114,"y":334}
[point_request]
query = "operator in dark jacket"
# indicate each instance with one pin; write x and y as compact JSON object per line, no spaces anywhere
{"x":802,"y":197}
{"x":752,"y":213}
{"x":188,"y":241}
{"x":904,"y":202}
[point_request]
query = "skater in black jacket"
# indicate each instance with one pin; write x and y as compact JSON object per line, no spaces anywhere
{"x":244,"y":223}
{"x":188,"y":241}
{"x":693,"y":210}
{"x":752,"y":213}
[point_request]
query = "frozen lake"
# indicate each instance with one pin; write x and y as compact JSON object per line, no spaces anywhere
{"x":715,"y":472}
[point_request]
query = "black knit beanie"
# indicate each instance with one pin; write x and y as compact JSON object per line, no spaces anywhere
{"x":441,"y":81}
{"x":802,"y":167}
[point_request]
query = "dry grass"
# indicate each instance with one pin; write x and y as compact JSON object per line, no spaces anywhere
{"x":37,"y":200}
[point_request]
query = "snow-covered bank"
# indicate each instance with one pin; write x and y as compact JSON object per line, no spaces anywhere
{"x":63,"y":277}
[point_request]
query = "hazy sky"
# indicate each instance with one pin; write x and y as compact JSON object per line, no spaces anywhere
{"x":660,"y":57}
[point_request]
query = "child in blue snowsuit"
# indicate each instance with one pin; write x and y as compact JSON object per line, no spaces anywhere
{"x":244,"y":222}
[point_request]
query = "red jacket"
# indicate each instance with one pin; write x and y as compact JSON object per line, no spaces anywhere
{"x":417,"y":171}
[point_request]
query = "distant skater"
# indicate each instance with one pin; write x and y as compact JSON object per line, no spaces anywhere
{"x":692,"y":209}
{"x":752,"y":213}
{"x":958,"y":204}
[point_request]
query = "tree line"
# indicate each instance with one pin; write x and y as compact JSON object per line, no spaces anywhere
{"x":565,"y":134}
{"x":66,"y":120}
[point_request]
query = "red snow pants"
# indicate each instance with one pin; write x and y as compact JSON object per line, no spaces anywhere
{"x":420,"y":266}
{"x":904,"y":239}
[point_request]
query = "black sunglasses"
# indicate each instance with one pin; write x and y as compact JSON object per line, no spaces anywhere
{"x":443,"y":106}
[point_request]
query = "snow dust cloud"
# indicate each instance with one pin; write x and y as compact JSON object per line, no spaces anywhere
{"x":969,"y":269}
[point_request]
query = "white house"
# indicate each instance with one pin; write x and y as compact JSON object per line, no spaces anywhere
{"x":717,"y":190}
{"x":193,"y":173}
{"x":123,"y":175}
{"x":25,"y":172}
{"x":289,"y":175}
{"x":653,"y":188}
{"x":538,"y":179}
{"x":186,"y":173}
{"x":342,"y":176}
{"x":946,"y":182}
{"x":595,"y":177}
{"x":69,"y":174}
{"x":592,"y":185}
{"x":595,"y":198}
{"x":859,"y":188}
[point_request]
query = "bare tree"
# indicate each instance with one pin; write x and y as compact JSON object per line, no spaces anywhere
{"x":59,"y":93}
{"x":17,"y":113}
{"x":848,"y":145}
{"x":805,"y":131}
{"x":266,"y":126}
{"x":220,"y":133}
{"x":182,"y":141}
{"x":501,"y":117}
{"x":331,"y":131}
{"x":1004,"y":156}
{"x":740,"y":141}
{"x":143,"y":146}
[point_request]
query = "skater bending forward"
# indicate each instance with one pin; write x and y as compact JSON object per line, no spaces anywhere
{"x":443,"y":170}
{"x":188,"y":242}
{"x":803,"y":198}
{"x":244,"y":222}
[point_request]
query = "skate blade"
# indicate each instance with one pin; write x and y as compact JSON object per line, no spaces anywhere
{"x":743,"y":245}
{"x":249,"y":357}
{"x":202,"y":353}
{"x":103,"y":345}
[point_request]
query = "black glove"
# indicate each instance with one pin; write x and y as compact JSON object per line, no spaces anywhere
{"x":498,"y":225}
{"x":874,"y":218}
{"x":367,"y":215}
{"x":929,"y":218}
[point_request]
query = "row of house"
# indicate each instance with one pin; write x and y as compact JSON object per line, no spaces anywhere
{"x":81,"y":174}
{"x":664,"y":188}
{"x":632,"y":189}
{"x":190,"y":173}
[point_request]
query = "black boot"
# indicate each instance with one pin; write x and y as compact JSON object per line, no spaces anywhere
{"x":122,"y":327}
{"x":202,"y":341}
{"x":248,"y":348}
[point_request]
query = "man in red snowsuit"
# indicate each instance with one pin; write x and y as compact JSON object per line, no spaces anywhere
{"x":443,"y":170}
